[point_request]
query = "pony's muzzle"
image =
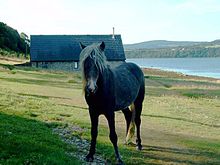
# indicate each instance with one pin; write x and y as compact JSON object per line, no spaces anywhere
{"x":91,"y":89}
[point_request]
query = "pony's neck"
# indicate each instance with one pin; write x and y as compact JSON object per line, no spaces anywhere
{"x":105,"y":78}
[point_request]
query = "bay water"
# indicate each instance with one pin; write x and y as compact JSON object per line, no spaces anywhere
{"x":207,"y":67}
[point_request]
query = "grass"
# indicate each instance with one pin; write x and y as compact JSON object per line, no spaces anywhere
{"x":180,"y":119}
{"x":26,"y":141}
{"x":10,"y":57}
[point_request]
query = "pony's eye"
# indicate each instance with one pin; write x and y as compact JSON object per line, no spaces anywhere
{"x":92,"y":56}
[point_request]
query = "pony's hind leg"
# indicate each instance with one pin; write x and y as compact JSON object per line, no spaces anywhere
{"x":130,"y":116}
{"x":127,"y":113}
{"x":138,"y":108}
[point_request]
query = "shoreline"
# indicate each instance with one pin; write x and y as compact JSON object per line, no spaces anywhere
{"x":173,"y":74}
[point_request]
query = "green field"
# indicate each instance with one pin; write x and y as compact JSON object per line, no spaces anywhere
{"x":180,"y":120}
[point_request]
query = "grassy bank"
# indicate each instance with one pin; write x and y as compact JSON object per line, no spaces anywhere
{"x":180,"y":120}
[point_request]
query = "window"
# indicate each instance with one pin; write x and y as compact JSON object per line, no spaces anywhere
{"x":75,"y":65}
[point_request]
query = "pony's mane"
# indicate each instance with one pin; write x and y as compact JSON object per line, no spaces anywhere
{"x":100,"y":58}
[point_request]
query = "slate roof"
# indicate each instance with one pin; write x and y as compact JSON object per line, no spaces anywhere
{"x":51,"y":48}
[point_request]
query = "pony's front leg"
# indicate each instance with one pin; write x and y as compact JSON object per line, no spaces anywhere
{"x":94,"y":133}
{"x":113,"y":137}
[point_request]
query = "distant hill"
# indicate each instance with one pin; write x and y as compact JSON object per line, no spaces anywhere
{"x":11,"y":40}
{"x":159,"y":44}
{"x":172,"y":49}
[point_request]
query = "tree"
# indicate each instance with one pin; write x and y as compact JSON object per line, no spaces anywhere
{"x":11,"y":40}
{"x":27,"y":42}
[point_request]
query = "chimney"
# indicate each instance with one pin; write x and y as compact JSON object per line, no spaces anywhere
{"x":113,"y":34}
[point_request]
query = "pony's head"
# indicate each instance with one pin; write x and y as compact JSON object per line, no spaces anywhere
{"x":93,"y":64}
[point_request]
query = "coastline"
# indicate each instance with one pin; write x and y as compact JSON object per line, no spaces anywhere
{"x":173,"y":74}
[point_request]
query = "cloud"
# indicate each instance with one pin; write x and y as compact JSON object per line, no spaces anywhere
{"x":199,"y":7}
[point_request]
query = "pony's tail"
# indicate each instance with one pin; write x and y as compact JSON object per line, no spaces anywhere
{"x":131,"y":129}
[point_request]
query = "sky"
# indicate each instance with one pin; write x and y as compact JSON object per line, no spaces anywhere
{"x":135,"y":20}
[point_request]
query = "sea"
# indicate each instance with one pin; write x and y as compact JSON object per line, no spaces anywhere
{"x":206,"y":67}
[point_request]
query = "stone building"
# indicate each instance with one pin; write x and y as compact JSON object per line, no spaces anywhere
{"x":61,"y":52}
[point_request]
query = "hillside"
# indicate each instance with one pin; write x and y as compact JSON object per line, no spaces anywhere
{"x":172,"y":49}
{"x":12,"y":41}
{"x":159,"y":44}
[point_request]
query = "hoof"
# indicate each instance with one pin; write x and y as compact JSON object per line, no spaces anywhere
{"x":139,"y":147}
{"x":89,"y":158}
{"x":119,"y":162}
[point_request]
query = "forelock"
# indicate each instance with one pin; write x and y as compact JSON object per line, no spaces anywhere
{"x":100,"y":59}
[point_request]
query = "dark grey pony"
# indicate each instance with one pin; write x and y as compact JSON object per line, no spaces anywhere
{"x":108,"y":90}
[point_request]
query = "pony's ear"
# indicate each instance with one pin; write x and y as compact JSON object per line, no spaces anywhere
{"x":102,"y":46}
{"x":82,"y":46}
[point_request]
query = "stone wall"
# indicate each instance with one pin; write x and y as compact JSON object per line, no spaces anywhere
{"x":67,"y":65}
